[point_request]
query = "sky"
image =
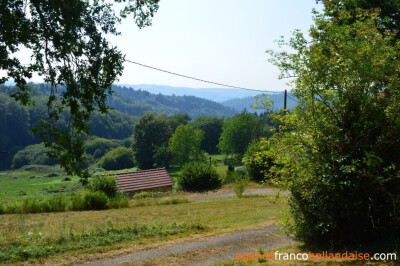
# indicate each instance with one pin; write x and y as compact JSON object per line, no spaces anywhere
{"x":224,"y":41}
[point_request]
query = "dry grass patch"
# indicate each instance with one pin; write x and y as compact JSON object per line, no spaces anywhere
{"x":37,"y":236}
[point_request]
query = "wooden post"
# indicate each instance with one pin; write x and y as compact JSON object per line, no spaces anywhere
{"x":285,"y":102}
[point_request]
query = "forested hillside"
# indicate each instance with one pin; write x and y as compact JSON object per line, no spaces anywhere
{"x":137,"y":102}
{"x":16,"y":121}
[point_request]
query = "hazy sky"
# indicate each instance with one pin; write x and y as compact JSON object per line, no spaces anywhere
{"x":218,"y":40}
{"x":224,"y":41}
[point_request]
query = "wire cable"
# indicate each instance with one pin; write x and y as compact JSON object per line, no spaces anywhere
{"x":292,"y":99}
{"x":198,"y":79}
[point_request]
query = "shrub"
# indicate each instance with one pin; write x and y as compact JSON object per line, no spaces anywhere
{"x":58,"y":203}
{"x":198,"y":176}
{"x":239,"y":189}
{"x":258,"y":160}
{"x":32,"y":154}
{"x":116,"y":159}
{"x":119,"y":201}
{"x":106,"y":184}
{"x":98,"y":147}
{"x":95,"y":200}
{"x":89,"y":200}
{"x":233,"y":176}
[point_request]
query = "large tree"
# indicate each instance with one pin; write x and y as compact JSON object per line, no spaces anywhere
{"x":212,"y":128}
{"x":150,"y":134}
{"x":237,"y":132}
{"x":67,"y":46}
{"x":185,"y":144}
{"x":341,"y":158}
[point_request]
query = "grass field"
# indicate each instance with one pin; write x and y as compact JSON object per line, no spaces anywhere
{"x":34,"y":237}
{"x":37,"y":236}
{"x":35,"y":180}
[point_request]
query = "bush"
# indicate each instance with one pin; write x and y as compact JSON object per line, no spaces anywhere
{"x":198,"y":176}
{"x":98,"y":147}
{"x":106,"y":184}
{"x":90,"y":200}
{"x":239,"y":189}
{"x":119,"y":201}
{"x":233,"y":176}
{"x":258,"y":160}
{"x":32,"y":154}
{"x":96,"y":200}
{"x":58,"y":203}
{"x":116,"y":159}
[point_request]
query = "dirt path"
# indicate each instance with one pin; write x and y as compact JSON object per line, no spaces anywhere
{"x":205,"y":251}
{"x":199,"y":252}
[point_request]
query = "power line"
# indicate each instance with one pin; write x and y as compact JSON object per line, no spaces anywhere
{"x":292,"y":99}
{"x":198,"y":79}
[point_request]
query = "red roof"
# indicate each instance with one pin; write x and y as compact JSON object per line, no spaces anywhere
{"x":142,"y":180}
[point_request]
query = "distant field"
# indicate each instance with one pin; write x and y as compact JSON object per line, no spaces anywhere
{"x":35,"y":180}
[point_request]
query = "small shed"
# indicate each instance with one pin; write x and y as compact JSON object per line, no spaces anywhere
{"x":146,"y":180}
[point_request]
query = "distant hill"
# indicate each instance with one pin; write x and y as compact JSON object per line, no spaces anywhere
{"x":213,"y":94}
{"x":247,"y":103}
{"x":137,"y":102}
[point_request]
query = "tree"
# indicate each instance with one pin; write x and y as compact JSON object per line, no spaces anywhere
{"x":237,"y":132}
{"x":150,"y":133}
{"x":177,"y":120}
{"x":258,"y":159}
{"x":69,"y":49}
{"x":212,"y":128}
{"x":341,"y":159}
{"x":185,"y":144}
{"x":116,"y":159}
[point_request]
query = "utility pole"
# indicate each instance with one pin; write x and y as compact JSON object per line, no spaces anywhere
{"x":285,"y":102}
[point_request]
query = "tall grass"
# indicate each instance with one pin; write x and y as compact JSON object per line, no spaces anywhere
{"x":34,"y":245}
{"x":79,"y":201}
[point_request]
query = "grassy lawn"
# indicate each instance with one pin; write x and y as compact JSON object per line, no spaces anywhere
{"x":37,"y":236}
{"x":35,"y":180}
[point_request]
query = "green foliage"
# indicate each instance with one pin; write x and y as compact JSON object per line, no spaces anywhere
{"x":106,"y":184}
{"x":212,"y":128}
{"x":237,"y":133}
{"x":98,"y":147}
{"x":89,"y":200}
{"x":119,"y":201}
{"x":150,"y":133}
{"x":177,"y":120}
{"x":32,"y":154}
{"x":95,"y":200}
{"x":14,"y":125}
{"x":185,"y":144}
{"x":239,"y":189}
{"x":117,"y":159}
{"x":198,"y":176}
{"x":258,"y":159}
{"x":76,"y":55}
{"x":162,"y":157}
{"x":233,"y":176}
{"x":112,"y":125}
{"x":341,"y":159}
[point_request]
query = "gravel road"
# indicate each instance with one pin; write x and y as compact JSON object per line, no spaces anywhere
{"x":204,"y":251}
{"x":209,"y":250}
